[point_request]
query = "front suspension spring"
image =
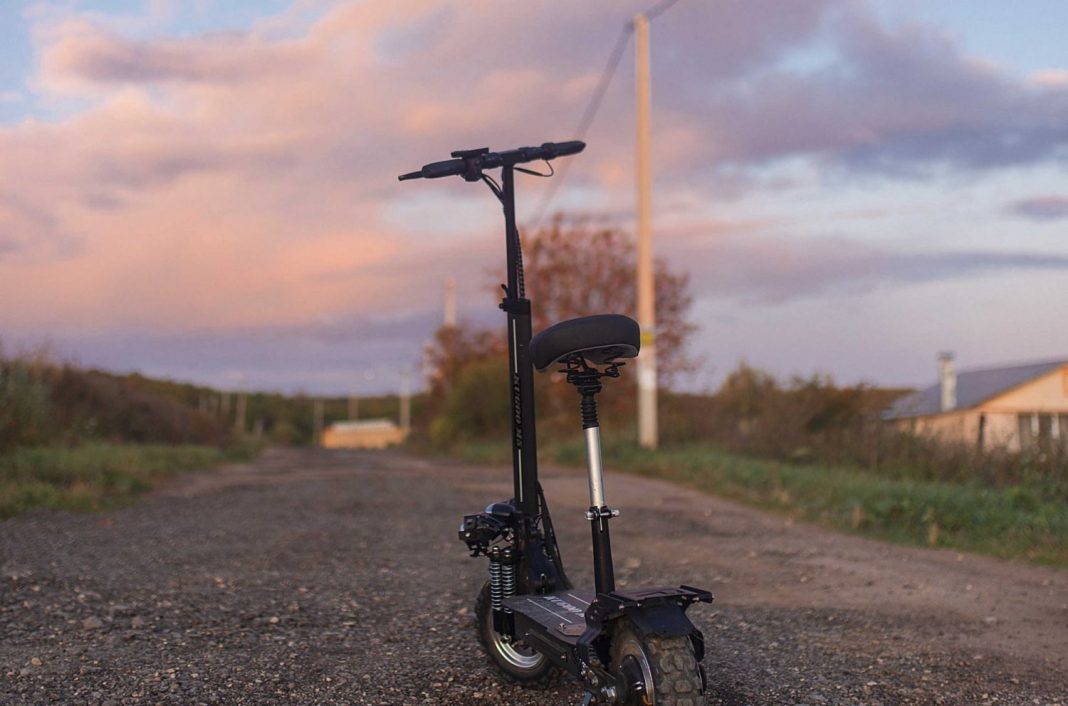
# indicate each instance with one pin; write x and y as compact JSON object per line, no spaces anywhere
{"x":496,"y":583}
{"x":508,"y":579}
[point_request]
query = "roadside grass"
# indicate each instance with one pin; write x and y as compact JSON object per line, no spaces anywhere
{"x":1026,"y":521}
{"x":98,"y":476}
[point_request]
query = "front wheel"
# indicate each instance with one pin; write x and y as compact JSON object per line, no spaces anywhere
{"x":518,"y":662}
{"x":664,"y":669}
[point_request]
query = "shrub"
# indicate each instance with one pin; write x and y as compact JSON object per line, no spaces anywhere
{"x":25,"y":404}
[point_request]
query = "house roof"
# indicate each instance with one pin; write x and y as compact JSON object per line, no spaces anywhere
{"x":973,"y":387}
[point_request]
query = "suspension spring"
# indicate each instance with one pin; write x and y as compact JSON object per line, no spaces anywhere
{"x":496,"y":583}
{"x":508,"y":579}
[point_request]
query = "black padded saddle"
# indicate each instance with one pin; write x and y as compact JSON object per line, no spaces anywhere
{"x":600,"y":339}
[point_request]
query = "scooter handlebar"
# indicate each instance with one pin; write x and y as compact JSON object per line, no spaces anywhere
{"x":472,"y":162}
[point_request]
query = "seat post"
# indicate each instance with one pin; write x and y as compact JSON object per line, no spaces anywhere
{"x":589,"y":385}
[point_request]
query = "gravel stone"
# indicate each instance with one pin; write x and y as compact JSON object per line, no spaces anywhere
{"x":336,"y":578}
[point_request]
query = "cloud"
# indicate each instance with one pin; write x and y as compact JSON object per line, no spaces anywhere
{"x":32,"y":235}
{"x":1050,"y":78}
{"x":374,"y":80}
{"x":79,"y":54}
{"x":327,"y":356}
{"x":1041,"y":208}
{"x":901,"y":100}
{"x":245,"y":181}
{"x":762,"y":269}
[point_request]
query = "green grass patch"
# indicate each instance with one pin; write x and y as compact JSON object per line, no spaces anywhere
{"x":1028,"y":521}
{"x":98,"y":476}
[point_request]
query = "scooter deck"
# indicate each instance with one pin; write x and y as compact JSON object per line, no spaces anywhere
{"x":561,"y":614}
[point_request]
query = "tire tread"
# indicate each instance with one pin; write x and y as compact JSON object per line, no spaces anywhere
{"x":675,"y":670}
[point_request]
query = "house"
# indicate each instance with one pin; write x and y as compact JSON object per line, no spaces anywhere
{"x":363,"y":434}
{"x":1019,"y":407}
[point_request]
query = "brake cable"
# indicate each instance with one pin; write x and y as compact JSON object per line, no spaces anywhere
{"x":538,"y":174}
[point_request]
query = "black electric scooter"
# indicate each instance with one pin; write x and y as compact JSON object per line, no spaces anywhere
{"x":633,"y":646}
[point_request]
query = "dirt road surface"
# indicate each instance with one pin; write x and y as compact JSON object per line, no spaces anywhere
{"x":316,"y":578}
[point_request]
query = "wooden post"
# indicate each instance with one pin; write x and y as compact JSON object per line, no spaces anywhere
{"x":648,"y":435}
{"x":450,"y":303}
{"x":242,"y":408}
{"x":405,"y":402}
{"x":317,"y":423}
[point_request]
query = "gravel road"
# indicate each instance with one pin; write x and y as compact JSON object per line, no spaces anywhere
{"x":318,"y":578}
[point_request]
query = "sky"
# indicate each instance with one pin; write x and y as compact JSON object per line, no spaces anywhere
{"x":207,"y":190}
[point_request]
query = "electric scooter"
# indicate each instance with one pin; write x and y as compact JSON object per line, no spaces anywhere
{"x":633,"y":646}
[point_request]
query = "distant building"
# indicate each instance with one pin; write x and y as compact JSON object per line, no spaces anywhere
{"x":1021,"y":407}
{"x":363,"y":434}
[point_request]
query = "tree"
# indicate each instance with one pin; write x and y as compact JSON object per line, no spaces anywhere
{"x":571,"y":269}
{"x":453,"y":349}
{"x":576,"y":269}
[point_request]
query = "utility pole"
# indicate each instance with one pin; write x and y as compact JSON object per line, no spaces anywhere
{"x":317,"y":422}
{"x":405,"y":401}
{"x":647,"y":403}
{"x":242,"y":408}
{"x":450,"y":303}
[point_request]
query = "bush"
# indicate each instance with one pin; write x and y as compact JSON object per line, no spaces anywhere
{"x":43,"y":401}
{"x":25,"y":404}
{"x":476,"y":405}
{"x":94,"y":476}
{"x":96,"y":405}
{"x":802,"y":421}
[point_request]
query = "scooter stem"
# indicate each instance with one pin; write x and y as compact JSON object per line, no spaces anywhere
{"x":520,"y":371}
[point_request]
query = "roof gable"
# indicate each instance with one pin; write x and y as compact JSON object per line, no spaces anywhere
{"x":973,"y":387}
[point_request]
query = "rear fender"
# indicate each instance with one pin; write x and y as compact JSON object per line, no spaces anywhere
{"x":666,"y":619}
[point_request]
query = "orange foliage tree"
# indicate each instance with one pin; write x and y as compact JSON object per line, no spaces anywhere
{"x":571,"y":269}
{"x":574,"y":268}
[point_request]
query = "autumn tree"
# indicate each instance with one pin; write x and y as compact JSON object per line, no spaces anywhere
{"x":571,"y":269}
{"x":454,"y":348}
{"x":574,"y":268}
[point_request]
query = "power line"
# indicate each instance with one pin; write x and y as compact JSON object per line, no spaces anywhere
{"x":587,"y":119}
{"x":594,"y":105}
{"x":659,"y":9}
{"x":606,"y":78}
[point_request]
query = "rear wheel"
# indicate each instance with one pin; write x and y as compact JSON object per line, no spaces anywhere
{"x":665,"y":668}
{"x":515,"y":660}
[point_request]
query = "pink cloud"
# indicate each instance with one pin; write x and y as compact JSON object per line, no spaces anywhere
{"x":1050,"y":207}
{"x":247,"y":179}
{"x":1050,"y":78}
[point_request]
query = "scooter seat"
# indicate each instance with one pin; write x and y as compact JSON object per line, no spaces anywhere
{"x":600,"y":339}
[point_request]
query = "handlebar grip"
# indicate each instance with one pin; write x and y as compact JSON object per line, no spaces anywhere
{"x":561,"y":149}
{"x":449,"y":167}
